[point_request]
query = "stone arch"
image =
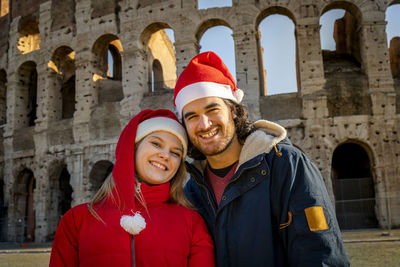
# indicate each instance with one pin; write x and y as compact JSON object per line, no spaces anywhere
{"x":26,"y":95}
{"x":24,"y":213}
{"x":276,"y":10}
{"x":205,"y":25}
{"x":29,"y":34}
{"x":60,"y":195}
{"x":346,"y":95}
{"x":159,"y":49}
{"x":63,"y":64}
{"x":347,"y":34}
{"x":354,"y":185}
{"x":3,"y":97}
{"x":107,"y":51}
{"x":99,"y":172}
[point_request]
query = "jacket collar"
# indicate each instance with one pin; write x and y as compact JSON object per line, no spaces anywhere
{"x":267,"y":135}
{"x":154,"y":195}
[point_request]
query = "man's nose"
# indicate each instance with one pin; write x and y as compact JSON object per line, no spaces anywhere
{"x":204,"y":122}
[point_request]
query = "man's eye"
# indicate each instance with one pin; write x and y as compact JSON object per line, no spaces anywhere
{"x":213,"y":110}
{"x":190,"y":118}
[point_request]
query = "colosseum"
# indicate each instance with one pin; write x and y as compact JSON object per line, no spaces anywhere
{"x":62,"y":110}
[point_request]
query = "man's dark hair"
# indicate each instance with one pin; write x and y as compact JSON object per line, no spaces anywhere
{"x":243,"y":126}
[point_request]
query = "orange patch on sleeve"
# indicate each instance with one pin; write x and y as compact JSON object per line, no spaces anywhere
{"x":316,"y":218}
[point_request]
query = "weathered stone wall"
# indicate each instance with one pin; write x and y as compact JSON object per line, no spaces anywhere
{"x":343,"y":97}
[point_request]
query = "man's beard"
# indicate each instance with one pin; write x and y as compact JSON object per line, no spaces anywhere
{"x":217,"y":152}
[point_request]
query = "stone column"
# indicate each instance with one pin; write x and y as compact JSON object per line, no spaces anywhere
{"x":86,"y":97}
{"x":134,"y":83}
{"x":74,"y":160}
{"x":248,"y":67}
{"x":311,"y":71}
{"x":185,"y":49}
{"x":376,"y":62}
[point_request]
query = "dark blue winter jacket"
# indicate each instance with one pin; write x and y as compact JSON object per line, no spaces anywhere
{"x":275,"y":210}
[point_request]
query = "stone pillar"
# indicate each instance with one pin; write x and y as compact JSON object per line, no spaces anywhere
{"x":134,"y":83}
{"x":40,"y":200}
{"x":41,"y":123}
{"x":376,"y":63}
{"x":311,"y":71}
{"x":185,"y":49}
{"x":13,"y":111}
{"x":86,"y":97}
{"x":74,"y":158}
{"x":248,"y":67}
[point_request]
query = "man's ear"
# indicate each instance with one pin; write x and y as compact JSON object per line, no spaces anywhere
{"x":233,"y":112}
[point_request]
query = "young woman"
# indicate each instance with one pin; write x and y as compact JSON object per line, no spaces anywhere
{"x":140,"y":216}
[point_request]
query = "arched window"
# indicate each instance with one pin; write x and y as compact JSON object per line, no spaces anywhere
{"x":29,"y":35}
{"x":60,"y":197}
{"x":24,"y":200}
{"x":278,"y":48}
{"x":98,"y":174}
{"x":63,"y":64}
{"x":211,"y":34}
{"x":108,"y":68}
{"x":27,"y":94}
{"x":159,"y":41}
{"x":343,"y":67}
{"x":114,"y":63}
{"x":340,"y":35}
{"x":353,"y":187}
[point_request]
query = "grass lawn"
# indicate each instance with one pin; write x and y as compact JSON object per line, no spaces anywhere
{"x":381,"y":254}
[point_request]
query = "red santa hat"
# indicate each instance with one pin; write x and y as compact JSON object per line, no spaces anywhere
{"x":206,"y":75}
{"x":144,"y":123}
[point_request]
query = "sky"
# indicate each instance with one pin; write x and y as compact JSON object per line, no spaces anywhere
{"x":278,"y":41}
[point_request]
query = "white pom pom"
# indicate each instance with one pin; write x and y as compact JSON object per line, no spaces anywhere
{"x":238,"y":94}
{"x":133,"y":224}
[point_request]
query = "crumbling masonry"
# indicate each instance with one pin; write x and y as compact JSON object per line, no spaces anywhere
{"x":62,"y":109}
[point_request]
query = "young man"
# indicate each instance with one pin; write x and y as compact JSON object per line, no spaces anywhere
{"x":264,"y":202}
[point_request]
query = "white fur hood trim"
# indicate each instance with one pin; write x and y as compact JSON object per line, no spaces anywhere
{"x":267,"y":135}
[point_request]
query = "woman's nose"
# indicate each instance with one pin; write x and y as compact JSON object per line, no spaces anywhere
{"x":164,"y":155}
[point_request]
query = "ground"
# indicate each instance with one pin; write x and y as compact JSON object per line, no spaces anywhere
{"x":365,"y":248}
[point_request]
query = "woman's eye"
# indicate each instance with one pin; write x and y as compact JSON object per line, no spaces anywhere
{"x":177,"y":154}
{"x":156,"y":144}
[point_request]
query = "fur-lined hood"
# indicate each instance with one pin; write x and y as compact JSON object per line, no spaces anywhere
{"x":267,"y":135}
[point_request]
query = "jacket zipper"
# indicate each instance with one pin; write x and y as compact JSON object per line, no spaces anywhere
{"x":210,"y":201}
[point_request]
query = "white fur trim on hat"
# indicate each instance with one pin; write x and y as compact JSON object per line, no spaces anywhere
{"x":133,"y":224}
{"x":198,"y":90}
{"x":162,"y":124}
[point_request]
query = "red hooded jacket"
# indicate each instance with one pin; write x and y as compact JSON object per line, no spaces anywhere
{"x":174,"y":235}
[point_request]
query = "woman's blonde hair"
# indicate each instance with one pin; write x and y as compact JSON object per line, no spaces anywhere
{"x":176,"y":193}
